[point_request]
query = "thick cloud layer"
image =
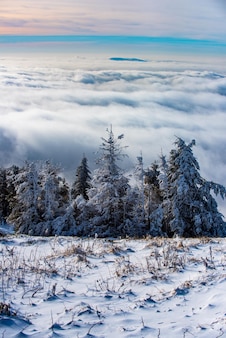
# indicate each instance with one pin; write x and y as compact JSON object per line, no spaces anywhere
{"x":61,"y":112}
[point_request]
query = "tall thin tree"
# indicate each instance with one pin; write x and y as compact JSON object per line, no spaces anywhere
{"x":109,"y":187}
{"x":82,"y":181}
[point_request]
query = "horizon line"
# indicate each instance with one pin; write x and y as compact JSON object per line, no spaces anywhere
{"x":129,"y":37}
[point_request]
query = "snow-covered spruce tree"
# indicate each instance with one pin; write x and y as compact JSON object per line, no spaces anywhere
{"x":82,"y":181}
{"x":84,"y":211}
{"x":189,"y":207}
{"x":108,"y":192}
{"x":139,"y":175}
{"x":161,"y":190}
{"x":41,"y":202}
{"x":135,"y":201}
{"x":4,"y":204}
{"x":54,"y":200}
{"x":11,"y":174}
{"x":153,"y":199}
{"x":25,"y":209}
{"x":134,"y":224}
{"x":64,"y":223}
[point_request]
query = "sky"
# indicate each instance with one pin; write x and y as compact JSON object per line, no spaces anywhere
{"x":203,"y":19}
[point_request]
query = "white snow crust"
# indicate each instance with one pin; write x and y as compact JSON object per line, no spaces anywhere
{"x":71,"y":287}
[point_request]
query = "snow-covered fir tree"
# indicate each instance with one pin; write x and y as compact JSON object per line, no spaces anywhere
{"x":139,"y":175}
{"x":161,"y":191}
{"x":11,"y":174}
{"x":153,"y":198}
{"x":25,"y":211}
{"x":136,"y":201}
{"x":82,"y":181}
{"x":54,"y":197}
{"x":190,"y":209}
{"x":107,"y":196}
{"x":4,"y":204}
{"x":40,"y":205}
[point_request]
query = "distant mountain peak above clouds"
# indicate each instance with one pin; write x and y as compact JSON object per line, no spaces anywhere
{"x":127,"y":59}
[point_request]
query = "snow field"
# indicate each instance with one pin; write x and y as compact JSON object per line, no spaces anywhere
{"x":71,"y":287}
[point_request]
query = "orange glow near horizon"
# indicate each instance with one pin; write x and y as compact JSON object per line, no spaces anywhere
{"x":38,"y":19}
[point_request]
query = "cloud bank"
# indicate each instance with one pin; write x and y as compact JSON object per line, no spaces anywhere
{"x":59,"y":113}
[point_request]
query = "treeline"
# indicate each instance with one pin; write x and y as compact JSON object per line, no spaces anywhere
{"x":169,"y":198}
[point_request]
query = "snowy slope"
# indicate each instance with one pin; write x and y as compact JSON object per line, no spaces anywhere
{"x":68,"y":287}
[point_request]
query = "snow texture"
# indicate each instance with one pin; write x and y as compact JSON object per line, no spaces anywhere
{"x":70,"y":287}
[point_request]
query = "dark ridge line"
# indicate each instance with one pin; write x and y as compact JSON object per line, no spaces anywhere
{"x":127,"y":59}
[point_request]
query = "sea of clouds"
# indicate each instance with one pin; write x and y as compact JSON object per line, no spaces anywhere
{"x":60,"y":110}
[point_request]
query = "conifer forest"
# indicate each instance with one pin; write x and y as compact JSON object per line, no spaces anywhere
{"x":168,"y":198}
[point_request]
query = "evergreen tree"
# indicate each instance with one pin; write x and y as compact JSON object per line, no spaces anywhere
{"x":109,"y":189}
{"x":190,"y":209}
{"x":85,"y":212}
{"x":40,"y":202}
{"x":134,"y":223}
{"x":25,"y":210}
{"x":4,"y":204}
{"x":65,"y":225}
{"x":11,"y":174}
{"x":153,"y":198}
{"x":139,"y":175}
{"x":82,"y":182}
{"x":54,"y":197}
{"x":135,"y":206}
{"x":161,"y":207}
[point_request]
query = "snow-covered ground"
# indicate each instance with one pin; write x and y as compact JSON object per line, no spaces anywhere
{"x":71,"y":287}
